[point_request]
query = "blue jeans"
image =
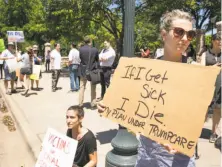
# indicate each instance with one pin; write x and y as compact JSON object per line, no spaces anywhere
{"x":74,"y":80}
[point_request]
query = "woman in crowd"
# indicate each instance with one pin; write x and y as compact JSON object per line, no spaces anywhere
{"x":37,"y":61}
{"x":212,"y":57}
{"x":176,"y":32}
{"x":86,"y":154}
{"x":26,"y":70}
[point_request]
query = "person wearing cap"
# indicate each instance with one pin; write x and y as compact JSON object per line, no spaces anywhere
{"x":26,"y":69}
{"x":74,"y":61}
{"x":9,"y":76}
{"x":37,"y":61}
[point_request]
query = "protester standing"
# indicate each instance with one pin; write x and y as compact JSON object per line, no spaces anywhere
{"x":37,"y":61}
{"x":27,"y":60}
{"x":176,"y":32}
{"x":9,"y":76}
{"x":1,"y":67}
{"x":212,"y":57}
{"x":106,"y":58}
{"x":89,"y":60}
{"x":86,"y":153}
{"x":55,"y":65}
{"x":47,"y":63}
{"x":74,"y":61}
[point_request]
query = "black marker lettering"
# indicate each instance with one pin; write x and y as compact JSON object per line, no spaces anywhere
{"x":128,"y":68}
{"x":137,"y":77}
{"x":183,"y":141}
{"x":158,"y":115}
{"x":161,"y":96}
{"x":125,"y":99}
{"x":108,"y":111}
{"x":190,"y":144}
{"x":156,"y":78}
{"x":148,"y":74}
{"x":147,"y":110}
{"x":131,"y":72}
{"x":164,"y":77}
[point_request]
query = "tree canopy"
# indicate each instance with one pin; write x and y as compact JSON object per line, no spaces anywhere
{"x":70,"y":20}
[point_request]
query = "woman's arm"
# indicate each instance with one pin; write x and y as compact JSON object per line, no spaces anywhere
{"x":38,"y":59}
{"x":92,"y":160}
{"x":203,"y":59}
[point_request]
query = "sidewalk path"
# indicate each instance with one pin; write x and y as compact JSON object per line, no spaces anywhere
{"x":45,"y":109}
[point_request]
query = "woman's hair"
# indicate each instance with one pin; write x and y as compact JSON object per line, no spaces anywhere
{"x":167,"y":18}
{"x":78,"y":109}
{"x":216,"y":37}
{"x":55,"y":45}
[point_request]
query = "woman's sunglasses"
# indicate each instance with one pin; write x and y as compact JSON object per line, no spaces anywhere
{"x":180,"y":32}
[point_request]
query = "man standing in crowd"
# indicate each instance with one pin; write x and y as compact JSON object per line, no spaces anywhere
{"x":89,"y":58}
{"x":37,"y":61}
{"x":9,"y":76}
{"x":55,"y":65}
{"x":47,"y":63}
{"x":106,"y":58}
{"x":74,"y":62}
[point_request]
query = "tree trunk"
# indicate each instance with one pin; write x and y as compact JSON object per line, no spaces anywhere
{"x":200,"y":43}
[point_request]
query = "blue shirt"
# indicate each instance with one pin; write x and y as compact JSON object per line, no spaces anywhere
{"x":36,"y":62}
{"x":152,"y":154}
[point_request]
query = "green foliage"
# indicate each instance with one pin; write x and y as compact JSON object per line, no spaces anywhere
{"x":2,"y":45}
{"x":69,"y":21}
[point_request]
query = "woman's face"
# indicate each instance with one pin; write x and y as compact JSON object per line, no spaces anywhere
{"x":177,"y":44}
{"x":217,"y":44}
{"x":72,"y":119}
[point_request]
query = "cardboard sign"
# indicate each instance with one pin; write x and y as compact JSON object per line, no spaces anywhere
{"x":164,"y":101}
{"x":57,"y":150}
{"x":12,"y":64}
{"x":15,"y":36}
{"x":36,"y":72}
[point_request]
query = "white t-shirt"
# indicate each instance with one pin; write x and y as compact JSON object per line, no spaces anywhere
{"x":8,"y":54}
{"x":108,"y":54}
{"x":74,"y":56}
{"x":56,"y":56}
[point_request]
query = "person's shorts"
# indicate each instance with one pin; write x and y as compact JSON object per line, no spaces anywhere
{"x":9,"y":76}
{"x":216,"y":102}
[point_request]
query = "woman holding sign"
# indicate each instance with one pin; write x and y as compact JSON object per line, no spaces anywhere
{"x":177,"y":33}
{"x":86,"y":153}
{"x":26,"y":70}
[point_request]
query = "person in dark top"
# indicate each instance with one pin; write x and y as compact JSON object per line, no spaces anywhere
{"x":89,"y":57}
{"x":191,"y":52}
{"x":212,"y":57}
{"x":37,"y":61}
{"x":86,"y":153}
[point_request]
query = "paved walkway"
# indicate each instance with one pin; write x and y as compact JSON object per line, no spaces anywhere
{"x":45,"y":109}
{"x":14,"y":152}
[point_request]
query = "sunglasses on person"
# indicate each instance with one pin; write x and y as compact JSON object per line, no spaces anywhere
{"x":180,"y":32}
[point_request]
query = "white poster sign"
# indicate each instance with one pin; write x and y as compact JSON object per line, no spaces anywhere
{"x":58,"y":150}
{"x":12,"y":64}
{"x":15,"y":36}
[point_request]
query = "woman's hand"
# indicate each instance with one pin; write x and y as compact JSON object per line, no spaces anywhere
{"x":101,"y":107}
{"x":169,"y":149}
{"x":217,"y":64}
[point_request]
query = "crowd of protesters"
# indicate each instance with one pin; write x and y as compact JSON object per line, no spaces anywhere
{"x":87,"y":64}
